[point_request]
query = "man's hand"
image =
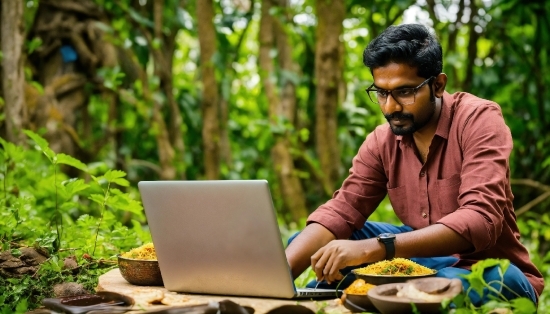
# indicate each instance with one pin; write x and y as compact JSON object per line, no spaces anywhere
{"x":309,"y":241}
{"x":328,"y":260}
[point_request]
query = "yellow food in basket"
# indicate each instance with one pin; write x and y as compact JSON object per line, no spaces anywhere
{"x":359,"y":286}
{"x":144,"y":252}
{"x":395,"y":267}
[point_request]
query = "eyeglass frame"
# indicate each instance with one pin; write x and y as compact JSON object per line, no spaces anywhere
{"x":390,"y":92}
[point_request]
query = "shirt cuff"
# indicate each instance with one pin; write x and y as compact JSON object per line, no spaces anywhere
{"x":472,"y":227}
{"x":332,"y":222}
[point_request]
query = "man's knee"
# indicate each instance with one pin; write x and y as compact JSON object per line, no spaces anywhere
{"x":514,"y":283}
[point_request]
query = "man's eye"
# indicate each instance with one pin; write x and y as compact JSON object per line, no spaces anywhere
{"x":404,"y":92}
{"x":382,"y":93}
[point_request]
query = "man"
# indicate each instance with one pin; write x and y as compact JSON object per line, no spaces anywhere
{"x":443,"y":161}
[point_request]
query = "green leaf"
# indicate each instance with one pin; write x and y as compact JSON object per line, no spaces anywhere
{"x":96,"y":179}
{"x":22,"y":306}
{"x":122,"y":201}
{"x":71,"y":161}
{"x":111,"y":175}
{"x":492,"y":305}
{"x":414,"y":309}
{"x":523,"y":306}
{"x":121,"y":182}
{"x":445,"y":303}
{"x":46,"y":241}
{"x":98,"y":198}
{"x":12,"y":151}
{"x":74,"y":186}
{"x":41,"y":143}
{"x":38,"y":87}
{"x":33,"y":44}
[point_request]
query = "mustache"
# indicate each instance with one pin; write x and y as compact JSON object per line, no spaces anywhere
{"x":399,"y":116}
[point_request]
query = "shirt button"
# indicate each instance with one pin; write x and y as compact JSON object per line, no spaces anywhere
{"x":424,"y":215}
{"x":422,"y":173}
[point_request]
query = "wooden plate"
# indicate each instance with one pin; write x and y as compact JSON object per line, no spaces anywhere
{"x":385,"y":297}
{"x":384,"y":279}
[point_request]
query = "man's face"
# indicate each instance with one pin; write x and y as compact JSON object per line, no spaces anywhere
{"x":404,"y":119}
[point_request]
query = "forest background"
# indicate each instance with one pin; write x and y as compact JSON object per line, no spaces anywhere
{"x":118,"y":91}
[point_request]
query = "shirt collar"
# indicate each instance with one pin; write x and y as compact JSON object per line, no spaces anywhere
{"x":444,"y":122}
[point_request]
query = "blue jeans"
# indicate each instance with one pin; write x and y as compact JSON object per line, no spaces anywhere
{"x":513,"y":278}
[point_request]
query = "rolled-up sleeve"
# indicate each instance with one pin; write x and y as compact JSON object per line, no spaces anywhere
{"x":486,"y":144}
{"x":360,"y":194}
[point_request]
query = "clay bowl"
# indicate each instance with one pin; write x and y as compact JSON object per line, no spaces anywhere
{"x":384,"y":279}
{"x":140,"y":272}
{"x":358,"y":303}
{"x":386,"y":301}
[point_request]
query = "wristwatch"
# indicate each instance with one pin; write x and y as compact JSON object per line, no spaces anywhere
{"x":388,"y":239}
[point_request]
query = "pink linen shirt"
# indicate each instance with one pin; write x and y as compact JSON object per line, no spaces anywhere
{"x":464,"y":183}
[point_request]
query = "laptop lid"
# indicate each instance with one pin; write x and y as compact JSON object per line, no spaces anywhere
{"x":219,"y":237}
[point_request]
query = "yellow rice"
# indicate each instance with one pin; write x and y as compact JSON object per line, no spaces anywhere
{"x":395,"y":267}
{"x":359,"y":286}
{"x":144,"y":252}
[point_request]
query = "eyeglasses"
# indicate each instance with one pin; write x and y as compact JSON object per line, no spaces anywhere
{"x":403,"y":96}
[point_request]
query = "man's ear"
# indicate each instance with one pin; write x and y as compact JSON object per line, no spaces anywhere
{"x":439,"y":84}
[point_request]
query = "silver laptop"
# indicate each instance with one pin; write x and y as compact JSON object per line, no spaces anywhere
{"x":219,"y":237}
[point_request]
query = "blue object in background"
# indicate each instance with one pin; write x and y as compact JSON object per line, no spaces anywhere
{"x":68,"y":53}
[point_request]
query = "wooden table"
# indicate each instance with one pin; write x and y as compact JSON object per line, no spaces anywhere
{"x":159,"y":297}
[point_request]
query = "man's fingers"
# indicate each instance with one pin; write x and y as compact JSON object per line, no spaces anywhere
{"x":332,"y":269}
{"x":318,"y":261}
{"x":326,"y":270}
{"x":335,"y":272}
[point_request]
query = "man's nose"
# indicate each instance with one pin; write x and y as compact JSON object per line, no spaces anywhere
{"x":391,"y":105}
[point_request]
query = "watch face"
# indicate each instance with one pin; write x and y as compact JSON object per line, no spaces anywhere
{"x":386,"y":236}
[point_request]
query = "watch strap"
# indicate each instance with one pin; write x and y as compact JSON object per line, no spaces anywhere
{"x":390,"y":249}
{"x":388,"y":239}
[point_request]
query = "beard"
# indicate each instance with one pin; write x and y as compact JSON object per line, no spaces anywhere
{"x":414,"y":126}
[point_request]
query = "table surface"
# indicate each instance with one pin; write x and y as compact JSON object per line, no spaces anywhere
{"x":158,"y":297}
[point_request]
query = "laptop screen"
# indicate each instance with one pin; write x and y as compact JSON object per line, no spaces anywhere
{"x":217,"y":237}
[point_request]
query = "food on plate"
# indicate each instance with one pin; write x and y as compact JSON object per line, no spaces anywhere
{"x":411,"y":292}
{"x":359,"y":286}
{"x":144,"y":252}
{"x":395,"y":267}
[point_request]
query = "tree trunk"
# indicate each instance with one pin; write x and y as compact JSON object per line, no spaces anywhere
{"x":281,"y":107}
{"x":165,"y":149}
{"x":13,"y":78}
{"x":210,"y":112}
{"x":472,"y":49}
{"x":328,"y":75}
{"x":225,"y":88}
{"x":163,"y":69}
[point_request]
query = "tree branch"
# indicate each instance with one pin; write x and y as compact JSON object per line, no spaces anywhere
{"x":532,"y":203}
{"x":531,"y":183}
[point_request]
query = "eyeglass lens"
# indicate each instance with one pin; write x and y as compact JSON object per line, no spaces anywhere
{"x":404,"y":96}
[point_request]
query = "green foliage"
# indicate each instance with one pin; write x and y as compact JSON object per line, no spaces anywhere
{"x":36,"y":197}
{"x":22,"y":294}
{"x":480,"y":286}
{"x":510,"y":67}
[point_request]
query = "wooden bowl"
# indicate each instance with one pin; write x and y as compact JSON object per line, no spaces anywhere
{"x":358,"y":303}
{"x":384,"y":279}
{"x":140,"y":272}
{"x":385,"y":297}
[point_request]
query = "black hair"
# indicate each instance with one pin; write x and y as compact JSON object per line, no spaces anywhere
{"x":411,"y":44}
